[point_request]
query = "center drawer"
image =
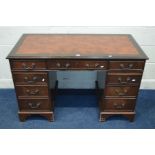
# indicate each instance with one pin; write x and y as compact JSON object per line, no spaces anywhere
{"x":76,"y":64}
{"x":31,"y":90}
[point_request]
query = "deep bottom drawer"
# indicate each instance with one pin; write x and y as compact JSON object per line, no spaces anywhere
{"x":118,"y":104}
{"x":34,"y":105}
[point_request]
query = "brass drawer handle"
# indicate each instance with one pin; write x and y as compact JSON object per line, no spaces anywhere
{"x":33,"y":65}
{"x":34,"y":105}
{"x":32,"y":92}
{"x":124,"y":82}
{"x":123,"y":66}
{"x":99,"y":66}
{"x":34,"y":79}
{"x":58,"y":64}
{"x":67,"y":65}
{"x":87,"y":65}
{"x":119,"y":106}
{"x":122,"y":92}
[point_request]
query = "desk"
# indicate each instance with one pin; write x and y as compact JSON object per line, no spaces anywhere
{"x":35,"y":55}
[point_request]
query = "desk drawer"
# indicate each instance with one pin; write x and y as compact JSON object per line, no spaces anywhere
{"x":126,"y":65}
{"x":118,"y":104}
{"x":28,"y":65}
{"x":34,"y":104}
{"x":124,"y":78}
{"x":30,"y":77}
{"x":76,"y":64}
{"x":32,"y":90}
{"x":61,"y":64}
{"x":117,"y":91}
{"x":93,"y":64}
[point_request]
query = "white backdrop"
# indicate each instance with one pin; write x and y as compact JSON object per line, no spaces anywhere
{"x":145,"y":36}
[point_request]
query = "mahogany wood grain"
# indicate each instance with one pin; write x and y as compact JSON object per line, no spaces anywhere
{"x":77,"y":64}
{"x":118,"y":104}
{"x":27,"y":78}
{"x":121,"y":91}
{"x":35,"y":104}
{"x":129,"y":115}
{"x":23,"y":115}
{"x":31,"y":90}
{"x":126,"y":65}
{"x":118,"y":56}
{"x":124,"y":78}
{"x":28,"y":64}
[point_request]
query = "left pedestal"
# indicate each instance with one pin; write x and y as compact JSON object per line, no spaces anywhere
{"x":33,"y":93}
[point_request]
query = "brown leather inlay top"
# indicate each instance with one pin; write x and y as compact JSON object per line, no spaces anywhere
{"x":70,"y":45}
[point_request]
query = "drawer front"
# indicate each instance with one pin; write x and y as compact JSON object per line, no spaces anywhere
{"x":34,"y":104}
{"x":124,"y":78}
{"x":28,"y":65}
{"x":30,"y":78}
{"x":126,"y":65}
{"x":118,"y":104}
{"x":92,"y":64}
{"x":32,"y":90}
{"x":61,"y":64}
{"x":117,"y":91}
{"x":77,"y":64}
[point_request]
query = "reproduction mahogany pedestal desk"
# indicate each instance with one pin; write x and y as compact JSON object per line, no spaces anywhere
{"x":117,"y":55}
